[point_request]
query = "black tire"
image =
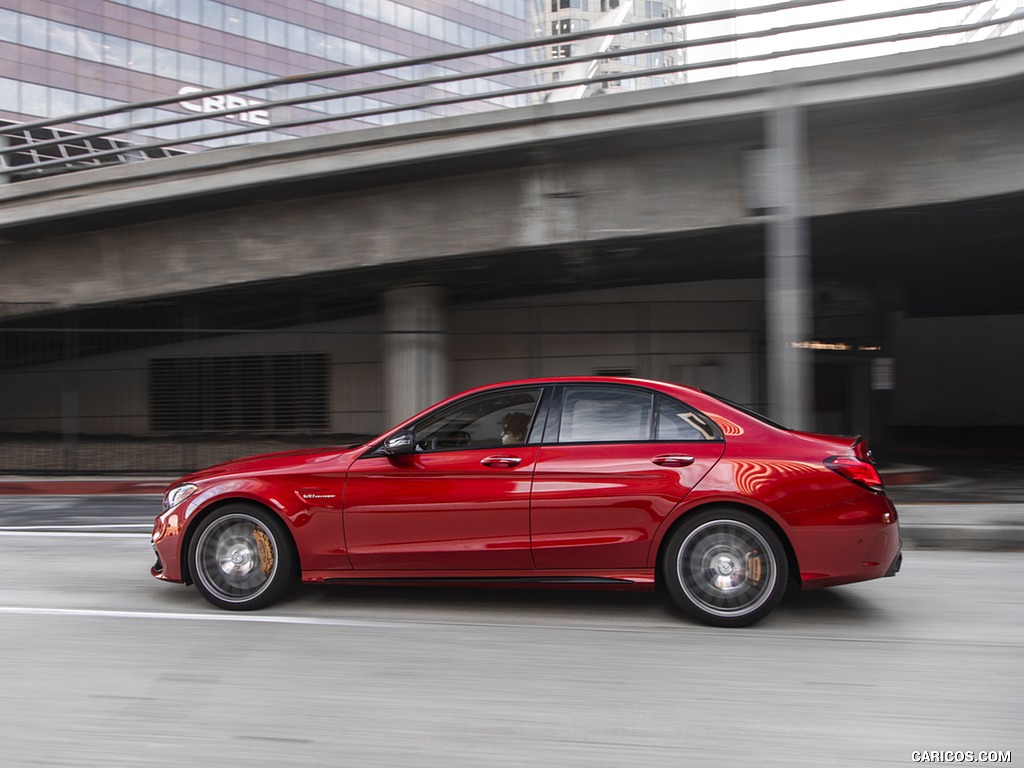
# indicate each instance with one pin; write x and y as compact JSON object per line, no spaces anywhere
{"x":241,"y":558}
{"x":725,"y":567}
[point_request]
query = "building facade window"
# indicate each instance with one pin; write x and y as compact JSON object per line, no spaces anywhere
{"x":566,"y":26}
{"x":558,"y":5}
{"x":272,"y":393}
{"x":255,"y":26}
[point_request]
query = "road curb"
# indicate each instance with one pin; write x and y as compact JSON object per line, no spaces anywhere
{"x":81,"y":487}
{"x":974,"y":537}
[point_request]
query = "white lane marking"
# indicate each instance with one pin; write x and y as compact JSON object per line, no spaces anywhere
{"x":72,"y":534}
{"x":250,"y":618}
{"x":674,"y":629}
{"x":77,"y":527}
{"x":228,"y":617}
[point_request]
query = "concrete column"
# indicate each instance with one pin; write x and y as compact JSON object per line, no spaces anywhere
{"x":415,"y":350}
{"x":788,"y":289}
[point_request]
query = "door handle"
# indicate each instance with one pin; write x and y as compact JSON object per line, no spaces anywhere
{"x":501,"y":461}
{"x":673,"y":460}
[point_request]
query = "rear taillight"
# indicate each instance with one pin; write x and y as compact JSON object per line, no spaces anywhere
{"x":856,"y":471}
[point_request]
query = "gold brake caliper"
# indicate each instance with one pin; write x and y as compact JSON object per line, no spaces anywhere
{"x":754,"y":567}
{"x":266,"y":554}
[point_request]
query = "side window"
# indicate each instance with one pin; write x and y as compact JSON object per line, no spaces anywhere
{"x":678,"y":422}
{"x":487,"y":421}
{"x":605,"y":414}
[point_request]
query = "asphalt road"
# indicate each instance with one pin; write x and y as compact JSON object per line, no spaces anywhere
{"x":104,"y":666}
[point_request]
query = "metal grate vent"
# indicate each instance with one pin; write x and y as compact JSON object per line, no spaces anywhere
{"x":251,"y":393}
{"x":63,"y":150}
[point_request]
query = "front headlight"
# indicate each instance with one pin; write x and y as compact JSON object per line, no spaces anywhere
{"x":178,"y":494}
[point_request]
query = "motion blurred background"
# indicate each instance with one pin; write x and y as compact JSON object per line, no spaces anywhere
{"x":231,"y":228}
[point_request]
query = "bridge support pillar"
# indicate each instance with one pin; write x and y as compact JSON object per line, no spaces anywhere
{"x":788,"y":290}
{"x":415,"y":350}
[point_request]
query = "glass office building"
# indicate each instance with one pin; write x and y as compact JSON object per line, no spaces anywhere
{"x":564,"y":17}
{"x":61,"y":57}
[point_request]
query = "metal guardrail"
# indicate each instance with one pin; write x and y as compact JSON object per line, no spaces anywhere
{"x":61,"y":144}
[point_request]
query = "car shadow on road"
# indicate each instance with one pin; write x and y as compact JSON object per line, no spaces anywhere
{"x":555,"y":606}
{"x":835,"y":605}
{"x":520,"y":605}
{"x":483,"y":603}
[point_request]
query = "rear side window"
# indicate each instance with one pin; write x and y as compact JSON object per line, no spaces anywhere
{"x":678,"y":422}
{"x":605,"y":414}
{"x":625,"y":414}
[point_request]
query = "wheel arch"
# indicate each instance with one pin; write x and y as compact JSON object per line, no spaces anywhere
{"x":196,"y":520}
{"x":685,"y":517}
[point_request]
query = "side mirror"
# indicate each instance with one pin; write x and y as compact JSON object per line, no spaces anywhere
{"x":400,"y":444}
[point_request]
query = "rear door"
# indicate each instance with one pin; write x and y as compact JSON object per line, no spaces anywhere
{"x":616,"y":460}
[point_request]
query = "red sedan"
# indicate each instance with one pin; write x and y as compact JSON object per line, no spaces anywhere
{"x":620,"y":483}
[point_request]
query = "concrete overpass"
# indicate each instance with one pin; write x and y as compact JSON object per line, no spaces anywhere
{"x":913,"y":188}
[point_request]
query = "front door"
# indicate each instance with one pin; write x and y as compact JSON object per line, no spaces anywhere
{"x":461,"y":502}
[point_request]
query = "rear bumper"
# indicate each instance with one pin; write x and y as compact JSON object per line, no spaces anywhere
{"x":856,"y":542}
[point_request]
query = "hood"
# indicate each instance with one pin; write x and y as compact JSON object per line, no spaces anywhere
{"x":310,"y":460}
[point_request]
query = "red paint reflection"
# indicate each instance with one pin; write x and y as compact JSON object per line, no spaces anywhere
{"x":730,"y":428}
{"x":753,"y":477}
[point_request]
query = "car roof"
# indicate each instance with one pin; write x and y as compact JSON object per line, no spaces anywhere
{"x":669,"y":388}
{"x":727,"y":415}
{"x":547,"y":380}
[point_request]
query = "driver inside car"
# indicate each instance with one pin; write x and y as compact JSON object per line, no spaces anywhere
{"x":513,"y":428}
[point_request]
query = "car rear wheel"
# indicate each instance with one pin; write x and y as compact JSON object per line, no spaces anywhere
{"x":241,"y":558}
{"x":725,"y":567}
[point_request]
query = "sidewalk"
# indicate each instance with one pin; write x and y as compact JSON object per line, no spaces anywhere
{"x":945,"y":508}
{"x":937,"y":509}
{"x":962,"y":526}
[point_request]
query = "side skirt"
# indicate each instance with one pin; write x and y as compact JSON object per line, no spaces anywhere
{"x":640,"y":580}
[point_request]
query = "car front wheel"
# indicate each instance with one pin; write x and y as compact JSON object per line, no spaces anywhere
{"x":725,"y":567}
{"x":241,"y":558}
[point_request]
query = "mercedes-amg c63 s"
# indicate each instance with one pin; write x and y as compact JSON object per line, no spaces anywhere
{"x":620,"y":483}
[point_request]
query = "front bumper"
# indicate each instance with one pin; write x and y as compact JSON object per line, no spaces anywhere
{"x":166,"y":547}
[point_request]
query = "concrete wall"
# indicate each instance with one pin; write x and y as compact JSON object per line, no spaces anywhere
{"x":112,"y":390}
{"x":936,"y":156}
{"x":959,"y":371}
{"x":683,"y":190}
{"x":674,"y":191}
{"x":955,"y":372}
{"x":704,"y":333}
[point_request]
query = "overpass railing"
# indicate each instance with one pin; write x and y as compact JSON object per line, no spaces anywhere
{"x":663,"y":51}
